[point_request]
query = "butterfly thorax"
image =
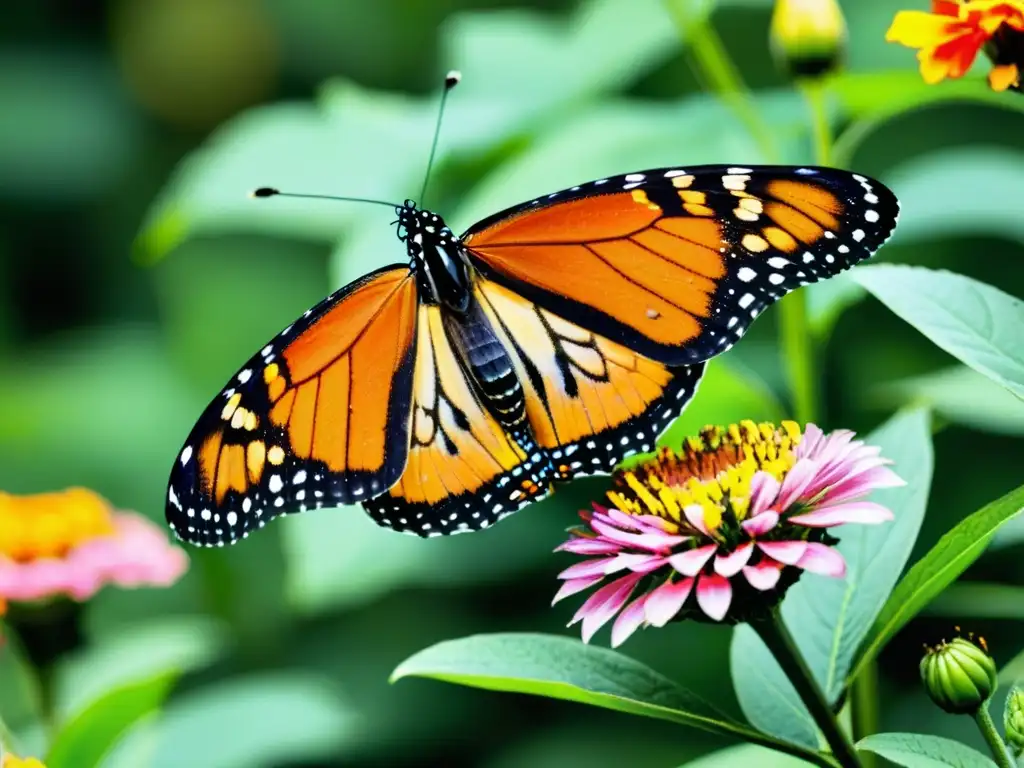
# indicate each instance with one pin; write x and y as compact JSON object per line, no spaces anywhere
{"x":436,"y":256}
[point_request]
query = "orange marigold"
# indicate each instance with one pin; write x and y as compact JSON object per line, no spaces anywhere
{"x":950,"y":37}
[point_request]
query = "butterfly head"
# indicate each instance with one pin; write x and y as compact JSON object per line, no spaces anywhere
{"x":436,"y":256}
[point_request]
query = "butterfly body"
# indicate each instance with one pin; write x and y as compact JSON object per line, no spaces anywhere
{"x":547,"y":342}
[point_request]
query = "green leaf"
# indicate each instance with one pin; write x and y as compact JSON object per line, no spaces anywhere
{"x":161,"y":648}
{"x":766,"y":696}
{"x":829,"y":618}
{"x":86,"y":738}
{"x":915,"y":750}
{"x":567,"y":669}
{"x":261,"y":719}
{"x":744,"y":755}
{"x":976,"y":323}
{"x":960,"y":395}
{"x":950,"y":557}
{"x":827,"y":300}
{"x":1013,"y":671}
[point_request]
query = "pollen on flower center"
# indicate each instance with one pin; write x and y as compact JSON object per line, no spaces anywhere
{"x":51,"y":524}
{"x":713,"y":470}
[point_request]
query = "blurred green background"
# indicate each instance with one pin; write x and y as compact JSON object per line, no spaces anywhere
{"x":135,"y":276}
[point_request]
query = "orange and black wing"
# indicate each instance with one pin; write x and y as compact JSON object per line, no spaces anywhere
{"x":675,"y":264}
{"x":319,"y":417}
{"x":590,"y":401}
{"x":464,"y":471}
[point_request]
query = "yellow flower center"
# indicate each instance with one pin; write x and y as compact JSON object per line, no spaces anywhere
{"x":712,"y":470}
{"x":49,"y":524}
{"x":10,"y":761}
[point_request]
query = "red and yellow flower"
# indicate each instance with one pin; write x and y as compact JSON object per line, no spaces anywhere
{"x":950,"y":36}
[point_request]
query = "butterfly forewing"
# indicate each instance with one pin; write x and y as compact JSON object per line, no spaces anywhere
{"x":319,"y":417}
{"x":675,"y":264}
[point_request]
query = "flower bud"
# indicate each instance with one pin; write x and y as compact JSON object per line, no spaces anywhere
{"x":1013,"y":719}
{"x":808,"y":37}
{"x":959,"y":675}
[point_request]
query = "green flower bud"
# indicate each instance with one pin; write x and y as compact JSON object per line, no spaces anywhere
{"x":1013,"y":720}
{"x":808,"y":37}
{"x":959,"y":675}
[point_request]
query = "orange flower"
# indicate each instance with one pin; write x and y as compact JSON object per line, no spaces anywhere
{"x":950,"y":37}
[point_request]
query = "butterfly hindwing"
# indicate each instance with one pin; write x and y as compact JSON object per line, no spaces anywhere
{"x":319,"y":417}
{"x":676,"y":264}
{"x":590,"y":401}
{"x":464,"y":471}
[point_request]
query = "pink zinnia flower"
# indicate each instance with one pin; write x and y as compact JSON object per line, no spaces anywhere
{"x":733,"y":519}
{"x":72,"y":543}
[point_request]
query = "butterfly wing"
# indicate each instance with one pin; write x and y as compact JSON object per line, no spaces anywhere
{"x":590,"y":401}
{"x":464,"y":470}
{"x":319,"y":417}
{"x":676,"y":264}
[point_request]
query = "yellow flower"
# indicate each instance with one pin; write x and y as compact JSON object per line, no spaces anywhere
{"x":950,"y":37}
{"x":12,"y":761}
{"x":808,"y":37}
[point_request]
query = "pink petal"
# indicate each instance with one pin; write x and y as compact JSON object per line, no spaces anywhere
{"x":621,"y":519}
{"x":764,"y":575}
{"x":604,"y":604}
{"x":760,"y":524}
{"x":660,"y":523}
{"x":731,"y":564}
{"x":587,"y":568}
{"x":653,"y":541}
{"x":795,"y":483}
{"x":788,"y":552}
{"x":584,"y":546}
{"x":691,"y":561}
{"x":763,"y":491}
{"x":811,"y":438}
{"x":862,"y":484}
{"x":629,"y":621}
{"x":694,"y":514}
{"x":822,"y":559}
{"x":666,"y":601}
{"x":864,"y":512}
{"x":573,"y":586}
{"x":714,"y":595}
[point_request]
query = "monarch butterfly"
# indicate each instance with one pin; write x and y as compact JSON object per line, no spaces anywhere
{"x":547,"y":342}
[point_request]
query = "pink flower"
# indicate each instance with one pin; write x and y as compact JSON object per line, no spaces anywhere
{"x":71,"y":543}
{"x":733,"y":520}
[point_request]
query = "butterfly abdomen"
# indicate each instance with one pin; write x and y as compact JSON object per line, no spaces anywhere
{"x":488,"y":364}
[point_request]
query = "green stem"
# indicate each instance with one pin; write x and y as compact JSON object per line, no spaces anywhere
{"x":988,"y":732}
{"x":821,"y":131}
{"x":719,"y":73}
{"x":864,"y":708}
{"x":775,"y":635}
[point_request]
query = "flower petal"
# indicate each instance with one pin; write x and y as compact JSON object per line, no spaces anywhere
{"x":795,"y":482}
{"x":588,"y":568}
{"x":714,"y":595}
{"x":629,"y":621}
{"x":820,"y":558}
{"x":764,"y":575}
{"x":604,"y":604}
{"x":760,"y":524}
{"x":788,"y":552}
{"x":582,"y":545}
{"x":864,"y":512}
{"x":666,"y":601}
{"x":763,"y":490}
{"x":691,"y":561}
{"x":653,"y":541}
{"x":862,"y":484}
{"x":694,"y":514}
{"x":572,"y":586}
{"x":810,"y":440}
{"x":731,"y":564}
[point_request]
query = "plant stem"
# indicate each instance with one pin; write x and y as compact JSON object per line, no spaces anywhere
{"x":775,"y":635}
{"x":864,"y":707}
{"x":995,"y":743}
{"x":718,"y":71}
{"x":821,"y":131}
{"x":798,"y":355}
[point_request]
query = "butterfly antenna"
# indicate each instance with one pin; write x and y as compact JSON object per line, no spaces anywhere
{"x":271,"y":192}
{"x":450,"y":81}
